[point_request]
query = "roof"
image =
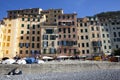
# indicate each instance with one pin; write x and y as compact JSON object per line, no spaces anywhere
{"x":23,"y":9}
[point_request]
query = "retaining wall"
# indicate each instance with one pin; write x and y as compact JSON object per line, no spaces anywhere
{"x":58,"y":67}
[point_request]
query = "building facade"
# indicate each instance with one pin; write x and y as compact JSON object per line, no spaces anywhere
{"x":31,"y":32}
{"x":67,"y":34}
{"x":89,"y":40}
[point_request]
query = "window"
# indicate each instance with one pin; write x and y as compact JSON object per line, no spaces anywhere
{"x":9,"y":31}
{"x":26,"y":51}
{"x":44,"y":51}
{"x":20,"y":51}
{"x":108,"y":35}
{"x":27,"y":37}
{"x":28,"y":19}
{"x":86,"y":36}
{"x":119,"y":34}
{"x":22,"y":19}
{"x":45,"y":37}
{"x":83,"y":51}
{"x":82,"y":44}
{"x":114,"y":40}
{"x":9,"y":25}
{"x":38,"y":26}
{"x":28,"y":32}
{"x":8,"y":44}
{"x":33,"y":26}
{"x":21,"y":45}
{"x":108,"y":41}
{"x":115,"y":35}
{"x":73,"y":23}
{"x":38,"y":38}
{"x":113,"y":23}
{"x":21,"y":37}
{"x":86,"y":30}
{"x":73,"y":29}
{"x":46,"y":16}
{"x":45,"y":43}
{"x":97,"y":28}
{"x":65,"y":50}
{"x":81,"y":30}
{"x":79,"y":45}
{"x":22,"y":25}
{"x":27,"y":45}
{"x":87,"y":51}
{"x":33,"y":32}
{"x":91,"y":22}
{"x":52,"y":43}
{"x":85,"y":24}
{"x":87,"y":44}
{"x":63,"y":17}
{"x":8,"y":39}
{"x":98,"y":35}
{"x":117,"y":46}
{"x":103,"y":35}
{"x":106,"y":24}
{"x":93,"y":35}
{"x":52,"y":37}
{"x":22,"y":32}
{"x":74,"y":36}
{"x":92,"y":28}
{"x":107,"y":30}
{"x":33,"y":45}
{"x":33,"y":38}
{"x":101,"y":24}
{"x":38,"y":45}
{"x":49,"y":31}
{"x":69,"y":36}
{"x":59,"y":36}
{"x":59,"y":30}
{"x":28,"y":26}
{"x":64,"y":36}
{"x":38,"y":32}
{"x":33,"y":19}
{"x":109,"y":47}
{"x":68,"y":30}
{"x":68,"y":17}
{"x":64,"y":30}
{"x":82,"y":37}
{"x":104,"y":41}
{"x":105,"y":47}
{"x":55,"y":20}
{"x":38,"y":19}
{"x":81,"y":24}
{"x":102,"y":29}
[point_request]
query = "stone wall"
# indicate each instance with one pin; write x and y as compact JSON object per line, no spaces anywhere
{"x":58,"y":67}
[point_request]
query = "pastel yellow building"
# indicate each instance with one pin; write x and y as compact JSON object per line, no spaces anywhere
{"x":1,"y":40}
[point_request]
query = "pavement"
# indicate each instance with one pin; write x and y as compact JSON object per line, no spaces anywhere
{"x":101,"y":74}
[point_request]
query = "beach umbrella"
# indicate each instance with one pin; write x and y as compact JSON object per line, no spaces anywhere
{"x":21,"y":61}
{"x":40,"y":61}
{"x":46,"y":57}
{"x":8,"y":61}
{"x":63,"y":57}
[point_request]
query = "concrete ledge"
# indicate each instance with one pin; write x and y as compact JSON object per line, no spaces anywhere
{"x":59,"y":67}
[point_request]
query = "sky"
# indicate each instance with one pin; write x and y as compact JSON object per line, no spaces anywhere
{"x":81,"y":7}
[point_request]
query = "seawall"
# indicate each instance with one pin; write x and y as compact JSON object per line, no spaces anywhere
{"x":59,"y":67}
